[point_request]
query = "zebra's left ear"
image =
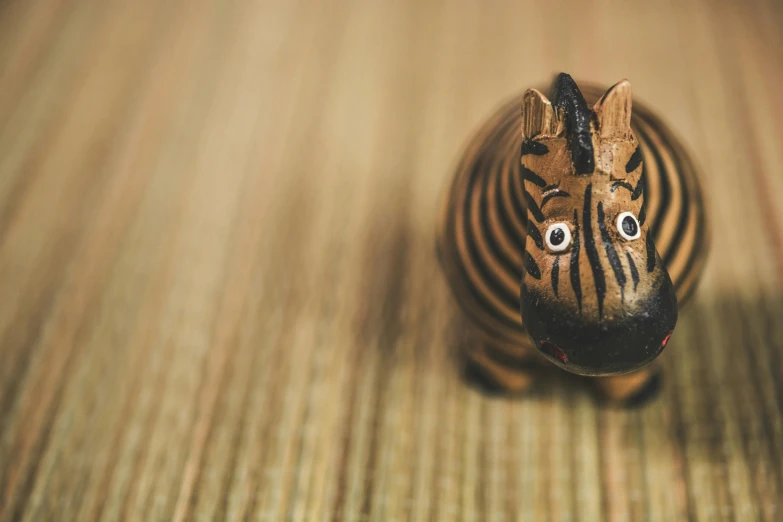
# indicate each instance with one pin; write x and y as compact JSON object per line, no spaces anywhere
{"x":613,"y":111}
{"x":539,"y":117}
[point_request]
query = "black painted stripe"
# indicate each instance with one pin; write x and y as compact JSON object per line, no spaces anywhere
{"x":533,"y":147}
{"x":488,"y":232}
{"x":611,"y":253}
{"x":533,"y":208}
{"x":487,"y":307}
{"x":475,"y":288}
{"x":574,"y":265}
{"x":698,"y":249}
{"x":635,"y":192}
{"x":638,"y":191}
{"x":488,"y":316}
{"x":535,"y":235}
{"x":531,"y":266}
{"x":507,"y":219}
{"x":634,"y":161}
{"x":685,"y":212}
{"x":669,"y":143}
{"x":634,"y":271}
{"x":665,"y":187}
{"x":690,"y":208}
{"x":520,"y":212}
{"x":507,"y":216}
{"x":650,"y":253}
{"x":487,"y":278}
{"x":555,"y":274}
{"x":699,"y":246}
{"x":645,"y":182}
{"x":690,"y":211}
{"x":505,"y":302}
{"x":532,"y":177}
{"x":623,"y":184}
{"x":480,"y":296}
{"x":592,"y":251}
{"x":554,"y":194}
{"x":688,"y":293}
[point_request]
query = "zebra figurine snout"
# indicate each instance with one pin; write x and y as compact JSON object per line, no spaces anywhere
{"x":573,"y":231}
{"x":596,"y":334}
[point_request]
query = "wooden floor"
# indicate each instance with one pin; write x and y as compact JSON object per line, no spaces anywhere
{"x":218,"y":292}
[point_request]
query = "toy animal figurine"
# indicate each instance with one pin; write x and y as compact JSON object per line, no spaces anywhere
{"x":573,"y":232}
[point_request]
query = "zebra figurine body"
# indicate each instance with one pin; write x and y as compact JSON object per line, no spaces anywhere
{"x":573,"y":233}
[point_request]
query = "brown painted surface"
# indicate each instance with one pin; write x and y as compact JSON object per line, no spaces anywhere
{"x":219,"y":298}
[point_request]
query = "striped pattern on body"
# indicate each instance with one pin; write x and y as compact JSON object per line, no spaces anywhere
{"x":484,"y":223}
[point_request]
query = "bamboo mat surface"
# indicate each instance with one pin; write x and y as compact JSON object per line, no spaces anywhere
{"x":219,"y":298}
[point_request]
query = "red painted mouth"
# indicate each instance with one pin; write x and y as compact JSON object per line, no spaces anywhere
{"x":666,"y":339}
{"x":556,"y":352}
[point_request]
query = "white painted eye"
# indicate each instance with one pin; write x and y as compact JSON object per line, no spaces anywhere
{"x":558,"y":237}
{"x":628,"y":226}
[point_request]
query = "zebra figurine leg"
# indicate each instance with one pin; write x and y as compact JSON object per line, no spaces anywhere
{"x":499,"y":368}
{"x":632,"y":389}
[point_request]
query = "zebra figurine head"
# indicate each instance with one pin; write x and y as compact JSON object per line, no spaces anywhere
{"x":596,"y":298}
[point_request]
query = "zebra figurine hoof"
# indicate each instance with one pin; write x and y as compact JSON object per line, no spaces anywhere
{"x":574,"y":229}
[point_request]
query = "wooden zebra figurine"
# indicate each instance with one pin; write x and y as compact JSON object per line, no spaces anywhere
{"x":574,"y":233}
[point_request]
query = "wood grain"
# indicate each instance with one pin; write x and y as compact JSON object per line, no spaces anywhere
{"x":219,"y":297}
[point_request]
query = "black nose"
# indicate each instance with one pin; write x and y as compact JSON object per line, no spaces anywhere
{"x":588,"y":345}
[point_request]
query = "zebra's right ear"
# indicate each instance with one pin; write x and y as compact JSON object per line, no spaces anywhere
{"x":539,"y":117}
{"x":613,"y":111}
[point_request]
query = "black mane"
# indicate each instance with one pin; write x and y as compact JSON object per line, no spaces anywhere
{"x":568,"y":97}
